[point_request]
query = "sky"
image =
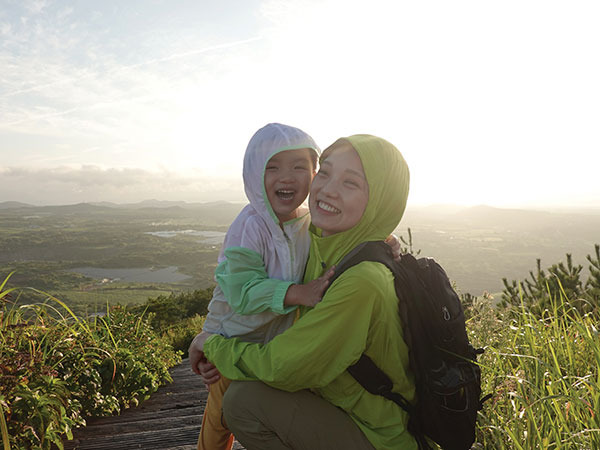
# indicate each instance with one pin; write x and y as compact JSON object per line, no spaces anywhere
{"x":492,"y":103}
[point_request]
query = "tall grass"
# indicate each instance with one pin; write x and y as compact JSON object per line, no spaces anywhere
{"x":543,"y":372}
{"x":57,"y":369}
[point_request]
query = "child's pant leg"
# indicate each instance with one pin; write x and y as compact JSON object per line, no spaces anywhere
{"x":214,"y":434}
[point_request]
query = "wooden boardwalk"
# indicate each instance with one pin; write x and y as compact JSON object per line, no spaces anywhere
{"x":169,"y":420}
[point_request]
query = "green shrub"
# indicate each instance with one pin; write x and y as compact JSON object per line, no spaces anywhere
{"x":537,"y":292}
{"x":180,"y":336}
{"x":165,"y":311}
{"x":57,"y":369}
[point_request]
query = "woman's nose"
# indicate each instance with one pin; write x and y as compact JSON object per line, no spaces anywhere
{"x":329,"y":188}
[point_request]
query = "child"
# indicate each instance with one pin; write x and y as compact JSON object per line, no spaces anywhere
{"x":263,"y":257}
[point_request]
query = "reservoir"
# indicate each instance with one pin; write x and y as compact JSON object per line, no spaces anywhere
{"x":135,"y":275}
{"x":206,"y":237}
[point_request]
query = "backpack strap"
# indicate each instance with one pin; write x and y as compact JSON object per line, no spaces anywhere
{"x":365,"y":371}
{"x":376,"y":251}
{"x":375,"y":381}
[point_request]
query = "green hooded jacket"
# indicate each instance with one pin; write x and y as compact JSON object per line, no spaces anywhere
{"x":358,"y":313}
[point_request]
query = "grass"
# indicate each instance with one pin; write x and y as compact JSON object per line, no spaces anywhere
{"x":543,"y":373}
{"x":57,"y":368}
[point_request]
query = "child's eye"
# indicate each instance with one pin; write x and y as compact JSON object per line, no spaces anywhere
{"x":301,"y":168}
{"x":271,"y":168}
{"x":352,"y":183}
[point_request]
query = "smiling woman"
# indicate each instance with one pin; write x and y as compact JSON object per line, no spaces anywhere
{"x":340,"y":192}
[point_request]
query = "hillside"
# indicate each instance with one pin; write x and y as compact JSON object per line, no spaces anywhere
{"x":478,"y":246}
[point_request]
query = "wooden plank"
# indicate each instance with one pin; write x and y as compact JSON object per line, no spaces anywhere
{"x":169,"y":420}
{"x":133,"y":415}
{"x":142,"y":425}
{"x":148,"y":440}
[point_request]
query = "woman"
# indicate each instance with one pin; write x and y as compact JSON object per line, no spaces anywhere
{"x":358,"y":195}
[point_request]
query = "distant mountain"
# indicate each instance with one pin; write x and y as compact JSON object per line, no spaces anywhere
{"x":14,"y":205}
{"x":78,"y":208}
{"x":105,"y":204}
{"x":152,"y":203}
{"x":489,"y":214}
{"x":218,"y":213}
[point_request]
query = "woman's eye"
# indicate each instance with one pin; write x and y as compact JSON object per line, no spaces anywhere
{"x":301,"y":168}
{"x":352,"y":183}
{"x":271,"y":168}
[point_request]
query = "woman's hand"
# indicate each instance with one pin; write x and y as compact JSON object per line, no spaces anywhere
{"x":308,"y":294}
{"x":394,"y":243}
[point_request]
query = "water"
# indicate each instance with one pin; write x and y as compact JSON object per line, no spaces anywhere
{"x":137,"y":275}
{"x":208,"y":237}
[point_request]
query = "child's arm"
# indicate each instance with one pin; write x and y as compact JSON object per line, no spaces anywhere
{"x":308,"y":294}
{"x":247,"y":287}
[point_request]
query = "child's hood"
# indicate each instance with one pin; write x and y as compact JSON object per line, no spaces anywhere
{"x":266,"y":142}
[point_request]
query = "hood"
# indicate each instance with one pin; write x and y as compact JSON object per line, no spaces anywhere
{"x":266,"y":142}
{"x":388,"y":178}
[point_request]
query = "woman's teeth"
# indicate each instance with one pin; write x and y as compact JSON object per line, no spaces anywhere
{"x":328,"y":207}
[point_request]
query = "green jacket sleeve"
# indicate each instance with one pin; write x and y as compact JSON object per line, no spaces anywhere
{"x":247,"y":287}
{"x":315,"y":350}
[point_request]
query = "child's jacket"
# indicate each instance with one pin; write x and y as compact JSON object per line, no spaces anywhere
{"x":358,"y":313}
{"x":259,"y":260}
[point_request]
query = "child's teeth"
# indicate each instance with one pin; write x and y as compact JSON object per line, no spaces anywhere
{"x":285,"y":193}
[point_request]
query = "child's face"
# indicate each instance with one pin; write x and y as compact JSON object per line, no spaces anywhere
{"x":287,"y":179}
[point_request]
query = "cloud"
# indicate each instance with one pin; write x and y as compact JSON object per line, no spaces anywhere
{"x":36,"y":6}
{"x":72,"y":80}
{"x":92,"y":183}
{"x":112,"y":72}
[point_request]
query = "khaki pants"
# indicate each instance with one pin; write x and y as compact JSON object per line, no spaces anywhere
{"x":214,"y":434}
{"x":264,"y":418}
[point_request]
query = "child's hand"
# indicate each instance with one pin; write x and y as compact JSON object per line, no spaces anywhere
{"x":308,"y":294}
{"x":394,"y":243}
{"x":209,"y":373}
{"x":196,"y":351}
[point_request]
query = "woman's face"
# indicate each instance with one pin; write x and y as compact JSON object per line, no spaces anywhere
{"x":339,"y":192}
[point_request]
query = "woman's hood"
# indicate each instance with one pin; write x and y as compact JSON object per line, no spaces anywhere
{"x":388,"y":178}
{"x":266,"y":142}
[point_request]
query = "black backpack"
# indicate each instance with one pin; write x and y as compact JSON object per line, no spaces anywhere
{"x":448,"y":381}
